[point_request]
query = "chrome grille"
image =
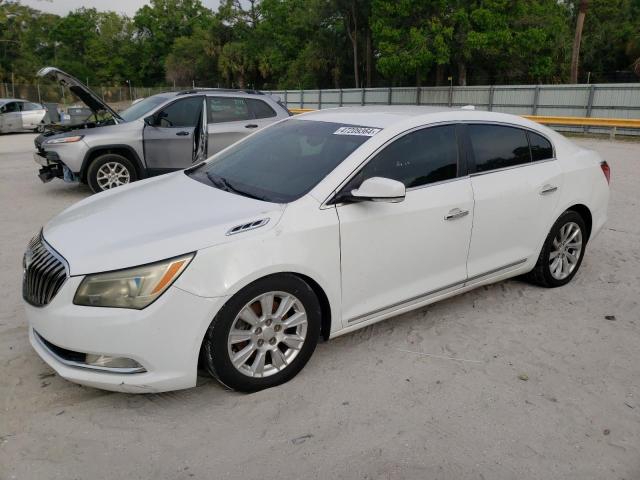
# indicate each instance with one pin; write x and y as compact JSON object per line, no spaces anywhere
{"x":44,"y":272}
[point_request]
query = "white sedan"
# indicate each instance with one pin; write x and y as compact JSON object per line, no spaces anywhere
{"x":314,"y":227}
{"x":20,"y":115}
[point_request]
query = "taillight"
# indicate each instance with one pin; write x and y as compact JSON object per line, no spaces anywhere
{"x":606,"y":170}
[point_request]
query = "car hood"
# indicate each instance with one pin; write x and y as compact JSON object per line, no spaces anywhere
{"x":84,"y":93}
{"x":152,"y":220}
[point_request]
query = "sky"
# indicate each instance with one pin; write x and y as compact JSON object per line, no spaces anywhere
{"x":129,"y":7}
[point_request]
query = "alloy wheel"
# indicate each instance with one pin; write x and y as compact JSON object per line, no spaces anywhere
{"x":567,"y":248}
{"x":111,"y":175}
{"x":267,"y":334}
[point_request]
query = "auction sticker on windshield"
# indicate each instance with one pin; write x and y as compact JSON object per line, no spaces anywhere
{"x":360,"y":131}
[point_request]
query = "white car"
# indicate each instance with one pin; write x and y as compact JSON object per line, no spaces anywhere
{"x":18,"y":115}
{"x":314,"y":227}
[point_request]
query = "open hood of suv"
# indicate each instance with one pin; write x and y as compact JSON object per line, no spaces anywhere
{"x":84,"y":93}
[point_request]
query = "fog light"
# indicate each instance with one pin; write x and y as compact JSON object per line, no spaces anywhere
{"x":113,"y":362}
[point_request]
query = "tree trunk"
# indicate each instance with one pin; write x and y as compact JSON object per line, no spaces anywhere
{"x":439,"y":75}
{"x":577,"y":39}
{"x":418,"y":78}
{"x":353,"y":36}
{"x":369,"y":58}
{"x":462,"y":73}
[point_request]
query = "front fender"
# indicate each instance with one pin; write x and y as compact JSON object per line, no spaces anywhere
{"x":310,"y":248}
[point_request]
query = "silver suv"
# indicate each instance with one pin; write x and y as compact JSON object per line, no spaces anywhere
{"x":162,"y":133}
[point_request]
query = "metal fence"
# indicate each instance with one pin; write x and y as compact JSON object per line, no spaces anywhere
{"x":592,"y":100}
{"x":605,"y":100}
{"x":120,"y":95}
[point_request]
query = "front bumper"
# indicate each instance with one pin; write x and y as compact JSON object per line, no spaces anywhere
{"x":60,"y":161}
{"x":52,"y":167}
{"x":164,"y":338}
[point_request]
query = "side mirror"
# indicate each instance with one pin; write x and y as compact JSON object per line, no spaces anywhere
{"x":379,"y":189}
{"x":151,"y":120}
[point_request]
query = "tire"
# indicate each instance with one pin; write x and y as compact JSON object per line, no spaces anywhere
{"x":546,"y":273}
{"x":120,"y":167}
{"x":261,"y":366}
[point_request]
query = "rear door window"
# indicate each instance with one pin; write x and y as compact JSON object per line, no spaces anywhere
{"x":497,"y":146}
{"x":227,"y":109}
{"x":260,"y":109}
{"x":541,"y":148}
{"x":418,"y":158}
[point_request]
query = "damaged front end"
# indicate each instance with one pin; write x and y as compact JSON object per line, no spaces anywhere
{"x":51,"y":165}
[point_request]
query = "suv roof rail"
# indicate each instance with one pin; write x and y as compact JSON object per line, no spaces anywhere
{"x":232,"y":90}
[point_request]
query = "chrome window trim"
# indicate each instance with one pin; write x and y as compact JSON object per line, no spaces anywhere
{"x":84,"y":366}
{"x":435,"y":184}
{"x":503,"y":169}
{"x":426,"y":296}
{"x":362,"y":164}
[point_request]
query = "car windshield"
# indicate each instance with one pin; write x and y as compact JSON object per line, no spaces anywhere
{"x":141,"y":108}
{"x":283,"y":162}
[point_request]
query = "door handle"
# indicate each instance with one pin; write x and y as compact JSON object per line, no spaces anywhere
{"x":456,"y":213}
{"x":547,"y":189}
{"x":251,"y":125}
{"x":182,"y":134}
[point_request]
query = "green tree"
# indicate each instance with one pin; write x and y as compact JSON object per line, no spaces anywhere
{"x":158,"y":25}
{"x":410,"y":38}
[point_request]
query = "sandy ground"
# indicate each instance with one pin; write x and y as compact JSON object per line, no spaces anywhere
{"x":363,"y":407}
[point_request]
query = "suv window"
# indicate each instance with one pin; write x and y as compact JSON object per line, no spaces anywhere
{"x":541,"y":148}
{"x":260,"y":109}
{"x":496,"y":146}
{"x":182,"y":113}
{"x":227,"y":109}
{"x":418,"y":158}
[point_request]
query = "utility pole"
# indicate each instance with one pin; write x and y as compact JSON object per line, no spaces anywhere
{"x":577,"y":39}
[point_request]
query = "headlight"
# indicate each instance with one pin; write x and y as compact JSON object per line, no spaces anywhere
{"x":130,"y":288}
{"x":73,"y":139}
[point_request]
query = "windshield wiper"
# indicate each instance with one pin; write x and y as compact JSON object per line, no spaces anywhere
{"x":223,"y":184}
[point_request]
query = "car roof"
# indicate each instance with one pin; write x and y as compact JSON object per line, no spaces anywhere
{"x":5,"y":100}
{"x":381,"y":116}
{"x":387,"y":116}
{"x":223,"y":92}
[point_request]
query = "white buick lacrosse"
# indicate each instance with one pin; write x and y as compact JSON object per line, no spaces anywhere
{"x":314,"y":227}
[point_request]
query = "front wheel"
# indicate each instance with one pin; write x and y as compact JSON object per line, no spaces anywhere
{"x":109,"y":171}
{"x":562,"y":252}
{"x":264,"y":335}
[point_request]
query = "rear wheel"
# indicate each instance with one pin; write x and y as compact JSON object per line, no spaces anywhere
{"x":264,"y":335}
{"x":109,"y":171}
{"x":562,"y":252}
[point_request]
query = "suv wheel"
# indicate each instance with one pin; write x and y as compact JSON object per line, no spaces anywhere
{"x":264,"y":334}
{"x":109,"y":171}
{"x":562,"y":252}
